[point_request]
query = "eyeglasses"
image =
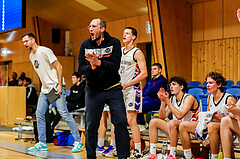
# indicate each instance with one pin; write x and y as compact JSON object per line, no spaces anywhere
{"x":92,"y":26}
{"x":26,"y":41}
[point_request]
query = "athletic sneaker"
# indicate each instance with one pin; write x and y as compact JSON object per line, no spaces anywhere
{"x":136,"y":154}
{"x":110,"y":152}
{"x":38,"y":147}
{"x":149,"y":156}
{"x":170,"y":157}
{"x":99,"y":149}
{"x":78,"y":146}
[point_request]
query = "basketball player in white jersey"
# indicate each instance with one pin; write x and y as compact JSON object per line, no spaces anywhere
{"x":216,"y":102}
{"x":230,"y":123}
{"x":132,"y":70}
{"x":181,"y":105}
{"x":229,"y":128}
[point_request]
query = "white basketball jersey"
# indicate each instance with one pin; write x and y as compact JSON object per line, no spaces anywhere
{"x":128,"y":67}
{"x":220,"y":106}
{"x":179,"y":106}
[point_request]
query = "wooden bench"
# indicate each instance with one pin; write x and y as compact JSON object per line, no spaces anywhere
{"x":79,"y":112}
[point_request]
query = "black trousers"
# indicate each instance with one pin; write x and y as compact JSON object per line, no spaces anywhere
{"x":95,"y":101}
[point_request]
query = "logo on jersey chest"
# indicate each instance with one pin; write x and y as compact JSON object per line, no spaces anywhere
{"x":101,"y":52}
{"x":75,"y":91}
{"x":36,"y":64}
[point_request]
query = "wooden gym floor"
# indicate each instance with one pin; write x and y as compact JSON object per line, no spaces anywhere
{"x":15,"y":149}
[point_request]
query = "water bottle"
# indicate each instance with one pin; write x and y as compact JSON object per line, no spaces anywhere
{"x":19,"y":131}
{"x":164,"y":149}
{"x":210,"y":154}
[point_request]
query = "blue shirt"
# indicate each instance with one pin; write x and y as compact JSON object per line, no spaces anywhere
{"x":152,"y":86}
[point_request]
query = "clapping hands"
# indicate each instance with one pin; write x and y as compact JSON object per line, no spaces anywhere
{"x":93,"y":59}
{"x":163,"y":95}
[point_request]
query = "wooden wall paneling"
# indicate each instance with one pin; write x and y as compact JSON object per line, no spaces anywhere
{"x":235,"y":60}
{"x":204,"y":59}
{"x":156,"y":35}
{"x":227,"y":73}
{"x":3,"y":105}
{"x":219,"y":56}
{"x":216,"y":55}
{"x":119,"y":26}
{"x":208,"y":64}
{"x":231,"y":60}
{"x":238,"y":57}
{"x":213,"y":28}
{"x":77,"y":36}
{"x":135,"y":23}
{"x":177,"y":35}
{"x":231,"y":23}
{"x":224,"y":57}
{"x":68,"y":69}
{"x":194,"y":62}
{"x":16,"y":104}
{"x":197,"y":11}
{"x":143,"y":35}
{"x":45,"y":30}
{"x":110,"y":28}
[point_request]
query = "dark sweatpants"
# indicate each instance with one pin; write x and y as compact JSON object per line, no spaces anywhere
{"x":95,"y":101}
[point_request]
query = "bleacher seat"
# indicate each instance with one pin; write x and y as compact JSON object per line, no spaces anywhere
{"x":204,"y":103}
{"x":80,"y":112}
{"x":237,"y":85}
{"x":230,"y":83}
{"x":196,"y":92}
{"x":193,"y":84}
{"x":235,"y":92}
{"x":204,"y":87}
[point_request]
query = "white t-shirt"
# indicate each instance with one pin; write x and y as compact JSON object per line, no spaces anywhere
{"x":42,"y":62}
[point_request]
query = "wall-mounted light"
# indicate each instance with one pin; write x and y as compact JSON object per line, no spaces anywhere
{"x":148,"y":27}
{"x":4,"y":51}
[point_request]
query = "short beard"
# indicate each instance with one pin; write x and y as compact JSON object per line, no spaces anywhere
{"x":98,"y":37}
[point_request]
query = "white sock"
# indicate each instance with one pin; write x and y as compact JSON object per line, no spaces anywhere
{"x":227,"y":158}
{"x":153,"y":148}
{"x":100,"y":142}
{"x":214,"y":156}
{"x":45,"y":144}
{"x":187,"y":153}
{"x":113,"y":142}
{"x":138,"y":146}
{"x":173,"y":151}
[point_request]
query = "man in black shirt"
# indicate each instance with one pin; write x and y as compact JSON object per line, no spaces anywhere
{"x":76,"y":99}
{"x":99,"y":60}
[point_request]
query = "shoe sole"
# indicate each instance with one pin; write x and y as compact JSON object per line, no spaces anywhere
{"x":78,"y":150}
{"x":38,"y":150}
